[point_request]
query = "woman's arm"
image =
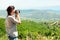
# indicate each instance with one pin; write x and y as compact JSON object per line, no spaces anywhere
{"x":17,"y":16}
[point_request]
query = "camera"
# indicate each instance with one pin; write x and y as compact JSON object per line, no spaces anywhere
{"x":17,"y":11}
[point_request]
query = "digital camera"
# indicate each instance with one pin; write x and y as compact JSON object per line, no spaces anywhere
{"x":17,"y":11}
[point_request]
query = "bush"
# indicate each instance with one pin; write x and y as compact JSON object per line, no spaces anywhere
{"x":32,"y":29}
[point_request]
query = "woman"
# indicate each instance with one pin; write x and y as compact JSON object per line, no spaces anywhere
{"x":12,"y":19}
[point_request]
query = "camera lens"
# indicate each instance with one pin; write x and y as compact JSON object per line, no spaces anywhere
{"x":19,"y":11}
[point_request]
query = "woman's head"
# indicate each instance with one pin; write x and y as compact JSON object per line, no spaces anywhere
{"x":10,"y":10}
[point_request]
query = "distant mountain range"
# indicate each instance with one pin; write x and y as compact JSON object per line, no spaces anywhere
{"x":39,"y":15}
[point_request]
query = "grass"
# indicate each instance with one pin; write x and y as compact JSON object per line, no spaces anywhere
{"x":30,"y":30}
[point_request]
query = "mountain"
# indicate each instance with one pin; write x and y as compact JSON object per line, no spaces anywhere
{"x":41,"y":14}
{"x":37,"y":15}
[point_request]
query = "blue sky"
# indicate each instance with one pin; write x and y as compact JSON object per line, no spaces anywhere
{"x":31,"y":4}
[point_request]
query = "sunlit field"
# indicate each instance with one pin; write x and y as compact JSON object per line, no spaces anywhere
{"x":30,"y":30}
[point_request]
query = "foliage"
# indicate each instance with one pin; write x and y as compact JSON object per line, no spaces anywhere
{"x":33,"y":30}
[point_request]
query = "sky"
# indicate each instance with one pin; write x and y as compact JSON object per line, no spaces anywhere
{"x":31,"y":4}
